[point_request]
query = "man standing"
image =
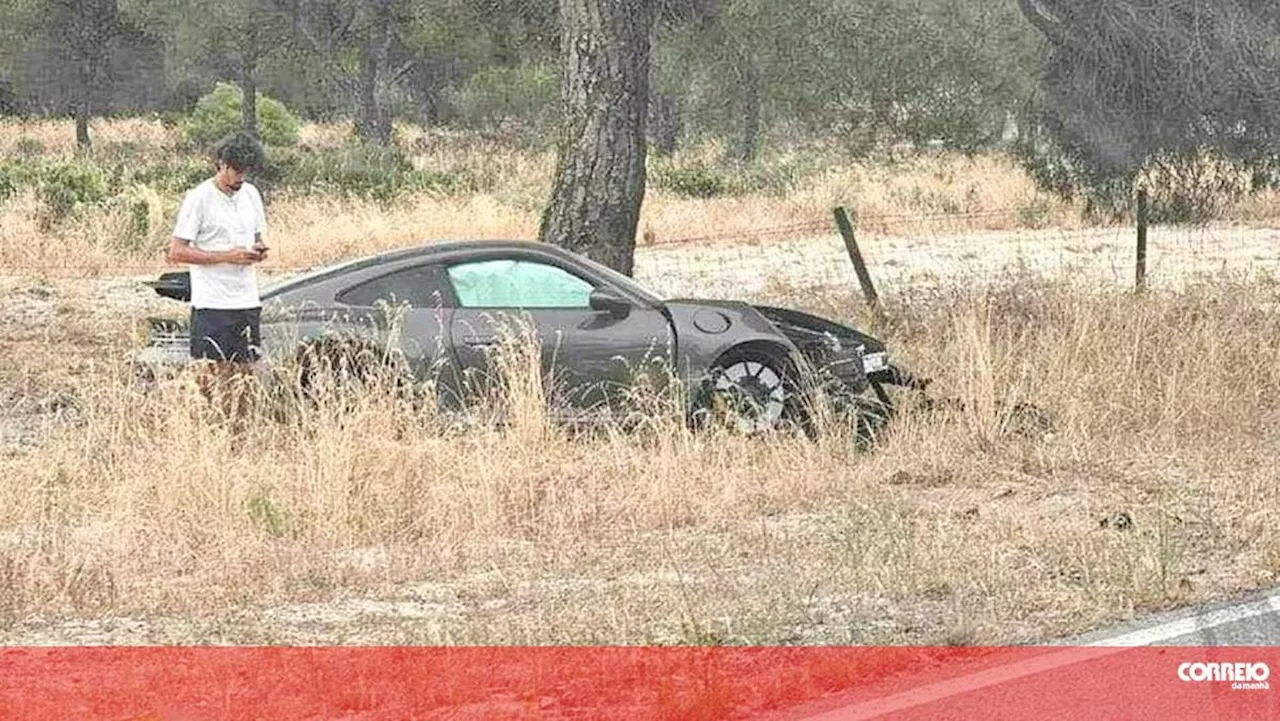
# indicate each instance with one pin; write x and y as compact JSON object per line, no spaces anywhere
{"x":219,"y":235}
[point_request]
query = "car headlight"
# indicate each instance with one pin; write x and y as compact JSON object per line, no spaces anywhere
{"x":874,"y":362}
{"x":832,"y":343}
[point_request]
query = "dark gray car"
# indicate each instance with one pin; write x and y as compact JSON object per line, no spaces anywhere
{"x":444,"y":307}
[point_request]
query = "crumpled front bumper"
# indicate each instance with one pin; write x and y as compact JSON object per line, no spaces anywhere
{"x":165,"y":347}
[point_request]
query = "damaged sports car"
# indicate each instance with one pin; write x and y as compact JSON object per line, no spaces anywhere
{"x":756,"y":367}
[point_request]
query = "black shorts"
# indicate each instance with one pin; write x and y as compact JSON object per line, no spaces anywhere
{"x":226,"y":335}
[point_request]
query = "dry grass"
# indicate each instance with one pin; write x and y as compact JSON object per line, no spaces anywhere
{"x":955,"y":192}
{"x":58,"y":136}
{"x":354,"y":227}
{"x":381,"y":524}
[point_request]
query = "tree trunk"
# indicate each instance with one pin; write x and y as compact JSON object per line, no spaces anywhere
{"x":85,"y":29}
{"x":600,"y":170}
{"x":662,"y":124}
{"x":749,"y":75}
{"x":83,"y":141}
{"x":369,"y":123}
{"x":249,"y":104}
{"x":745,"y":73}
{"x":373,"y":122}
{"x":1046,"y":23}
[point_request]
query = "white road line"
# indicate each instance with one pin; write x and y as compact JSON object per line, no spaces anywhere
{"x":1003,"y":674}
{"x":1192,"y":624}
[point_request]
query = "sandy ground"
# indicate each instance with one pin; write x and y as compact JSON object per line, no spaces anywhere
{"x":1175,"y":255}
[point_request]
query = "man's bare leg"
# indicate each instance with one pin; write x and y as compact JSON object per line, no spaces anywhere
{"x":225,"y":385}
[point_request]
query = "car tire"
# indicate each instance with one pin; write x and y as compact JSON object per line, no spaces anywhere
{"x":342,"y":366}
{"x":754,"y":392}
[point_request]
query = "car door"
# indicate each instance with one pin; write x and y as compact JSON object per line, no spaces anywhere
{"x":589,"y":358}
{"x":411,"y":309}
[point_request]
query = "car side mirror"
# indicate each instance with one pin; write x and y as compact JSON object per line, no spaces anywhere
{"x":607,"y":300}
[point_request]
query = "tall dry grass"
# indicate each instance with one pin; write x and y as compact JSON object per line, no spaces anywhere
{"x":796,"y":187}
{"x":957,"y":528}
{"x":59,"y":137}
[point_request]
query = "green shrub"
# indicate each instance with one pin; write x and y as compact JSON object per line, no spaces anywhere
{"x":1184,"y":189}
{"x":356,"y":169}
{"x":177,"y":176}
{"x":528,"y":93}
{"x":68,"y":187}
{"x":778,"y":176}
{"x":698,"y":178}
{"x":23,"y":172}
{"x":218,"y":114}
{"x":17,"y":174}
{"x":707,"y":171}
{"x":143,"y":209}
{"x":279,"y":168}
{"x":352,"y":169}
{"x":126,"y":151}
{"x":7,"y":184}
{"x":28,"y":147}
{"x":172,"y":119}
{"x":268,"y":515}
{"x":450,"y":183}
{"x":1035,"y":215}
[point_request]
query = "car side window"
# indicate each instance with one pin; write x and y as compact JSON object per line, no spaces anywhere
{"x":509,"y":283}
{"x":420,"y":287}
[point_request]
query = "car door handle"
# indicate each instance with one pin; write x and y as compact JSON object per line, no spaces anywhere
{"x":480,"y":340}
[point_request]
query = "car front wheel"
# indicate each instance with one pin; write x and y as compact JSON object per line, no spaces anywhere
{"x":753,"y":393}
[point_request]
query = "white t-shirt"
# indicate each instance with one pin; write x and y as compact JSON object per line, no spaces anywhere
{"x":213,"y":221}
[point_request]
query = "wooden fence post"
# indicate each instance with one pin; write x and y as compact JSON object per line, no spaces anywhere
{"x":1141,"y":271}
{"x":855,"y":255}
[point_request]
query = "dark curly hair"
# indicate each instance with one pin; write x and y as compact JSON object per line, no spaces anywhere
{"x":239,"y":151}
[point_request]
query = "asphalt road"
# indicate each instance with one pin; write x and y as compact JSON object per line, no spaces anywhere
{"x":1252,"y":620}
{"x":1047,"y":685}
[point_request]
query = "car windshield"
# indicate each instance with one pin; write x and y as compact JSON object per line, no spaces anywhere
{"x":612,"y":276}
{"x":513,"y":283}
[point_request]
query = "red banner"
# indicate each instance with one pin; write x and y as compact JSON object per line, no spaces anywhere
{"x":823,"y":684}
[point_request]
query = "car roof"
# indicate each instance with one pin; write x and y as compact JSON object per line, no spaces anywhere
{"x":432,"y":249}
{"x":417,"y":251}
{"x":449,"y":246}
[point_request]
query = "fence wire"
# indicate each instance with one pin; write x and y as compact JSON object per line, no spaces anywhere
{"x":901,"y":250}
{"x":905,"y":251}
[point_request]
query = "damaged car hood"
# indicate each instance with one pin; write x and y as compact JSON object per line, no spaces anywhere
{"x":806,"y":325}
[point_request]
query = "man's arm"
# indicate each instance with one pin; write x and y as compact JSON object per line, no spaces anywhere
{"x":181,"y":251}
{"x":260,"y":246}
{"x":260,"y":225}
